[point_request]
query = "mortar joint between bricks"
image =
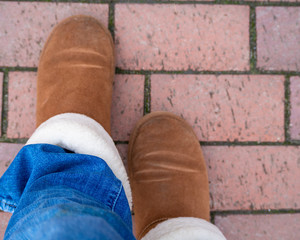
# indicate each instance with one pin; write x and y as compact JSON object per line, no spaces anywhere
{"x":111,"y":19}
{"x":4,"y":120}
{"x":4,"y":139}
{"x":18,"y":69}
{"x":254,"y":212}
{"x":241,"y":144}
{"x":212,"y":217}
{"x":287,"y":109}
{"x":252,"y":40}
{"x":118,"y":142}
{"x":206,"y":72}
{"x":147,"y":95}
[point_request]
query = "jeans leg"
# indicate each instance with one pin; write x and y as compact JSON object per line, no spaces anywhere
{"x":60,"y":195}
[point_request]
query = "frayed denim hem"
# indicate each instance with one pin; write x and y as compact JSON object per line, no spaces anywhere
{"x":7,"y":206}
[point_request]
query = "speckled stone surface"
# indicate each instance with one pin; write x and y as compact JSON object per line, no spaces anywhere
{"x":225,"y":107}
{"x":278,"y":38}
{"x":25,"y":27}
{"x":182,"y":37}
{"x":253,"y":177}
{"x":4,"y":218}
{"x":7,"y":153}
{"x":259,"y":226}
{"x":21,"y":104}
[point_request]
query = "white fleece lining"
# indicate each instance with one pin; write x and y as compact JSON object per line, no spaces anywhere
{"x":83,"y":135}
{"x":184,"y":228}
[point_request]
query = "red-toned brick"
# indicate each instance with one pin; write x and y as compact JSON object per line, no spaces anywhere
{"x":182,"y":37}
{"x":278,"y":38}
{"x":260,"y":227}
{"x":24,"y":27}
{"x":4,"y":218}
{"x":127,"y":106}
{"x":295,"y":108}
{"x":7,"y":153}
{"x":253,"y":177}
{"x":226,"y":107}
{"x":21,"y":104}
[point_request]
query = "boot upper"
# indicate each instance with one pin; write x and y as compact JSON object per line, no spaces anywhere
{"x":76,"y":70}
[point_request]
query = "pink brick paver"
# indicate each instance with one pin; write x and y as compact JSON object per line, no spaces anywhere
{"x":253,"y":177}
{"x":260,"y":227}
{"x":182,"y":37}
{"x":278,"y":38}
{"x":21,"y":104}
{"x":24,"y":27}
{"x":7,"y":153}
{"x":127,"y":106}
{"x":4,"y":218}
{"x":295,"y":108}
{"x":226,"y":107}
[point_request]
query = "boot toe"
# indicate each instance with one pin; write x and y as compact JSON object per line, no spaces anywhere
{"x":167,"y":171}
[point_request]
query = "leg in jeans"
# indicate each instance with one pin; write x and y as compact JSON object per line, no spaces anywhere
{"x":59,"y":195}
{"x":53,"y":193}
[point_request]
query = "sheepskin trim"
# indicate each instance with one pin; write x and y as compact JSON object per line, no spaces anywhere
{"x":184,"y":228}
{"x":81,"y":134}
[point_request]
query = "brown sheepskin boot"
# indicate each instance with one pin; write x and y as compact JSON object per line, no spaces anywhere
{"x":76,"y":70}
{"x":74,"y":92}
{"x":169,"y":180}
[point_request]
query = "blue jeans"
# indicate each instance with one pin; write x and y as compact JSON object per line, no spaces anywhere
{"x":54,"y":194}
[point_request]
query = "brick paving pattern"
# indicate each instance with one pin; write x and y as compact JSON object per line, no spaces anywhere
{"x":231,"y":70}
{"x":278,"y":36}
{"x":183,"y":37}
{"x":21,"y":104}
{"x":261,"y":227}
{"x":224,"y":107}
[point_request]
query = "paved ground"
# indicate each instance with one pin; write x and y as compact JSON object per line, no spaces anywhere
{"x":231,"y":69}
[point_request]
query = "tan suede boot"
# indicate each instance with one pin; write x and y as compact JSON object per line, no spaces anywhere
{"x":167,"y":172}
{"x":75,"y":79}
{"x":76,"y":70}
